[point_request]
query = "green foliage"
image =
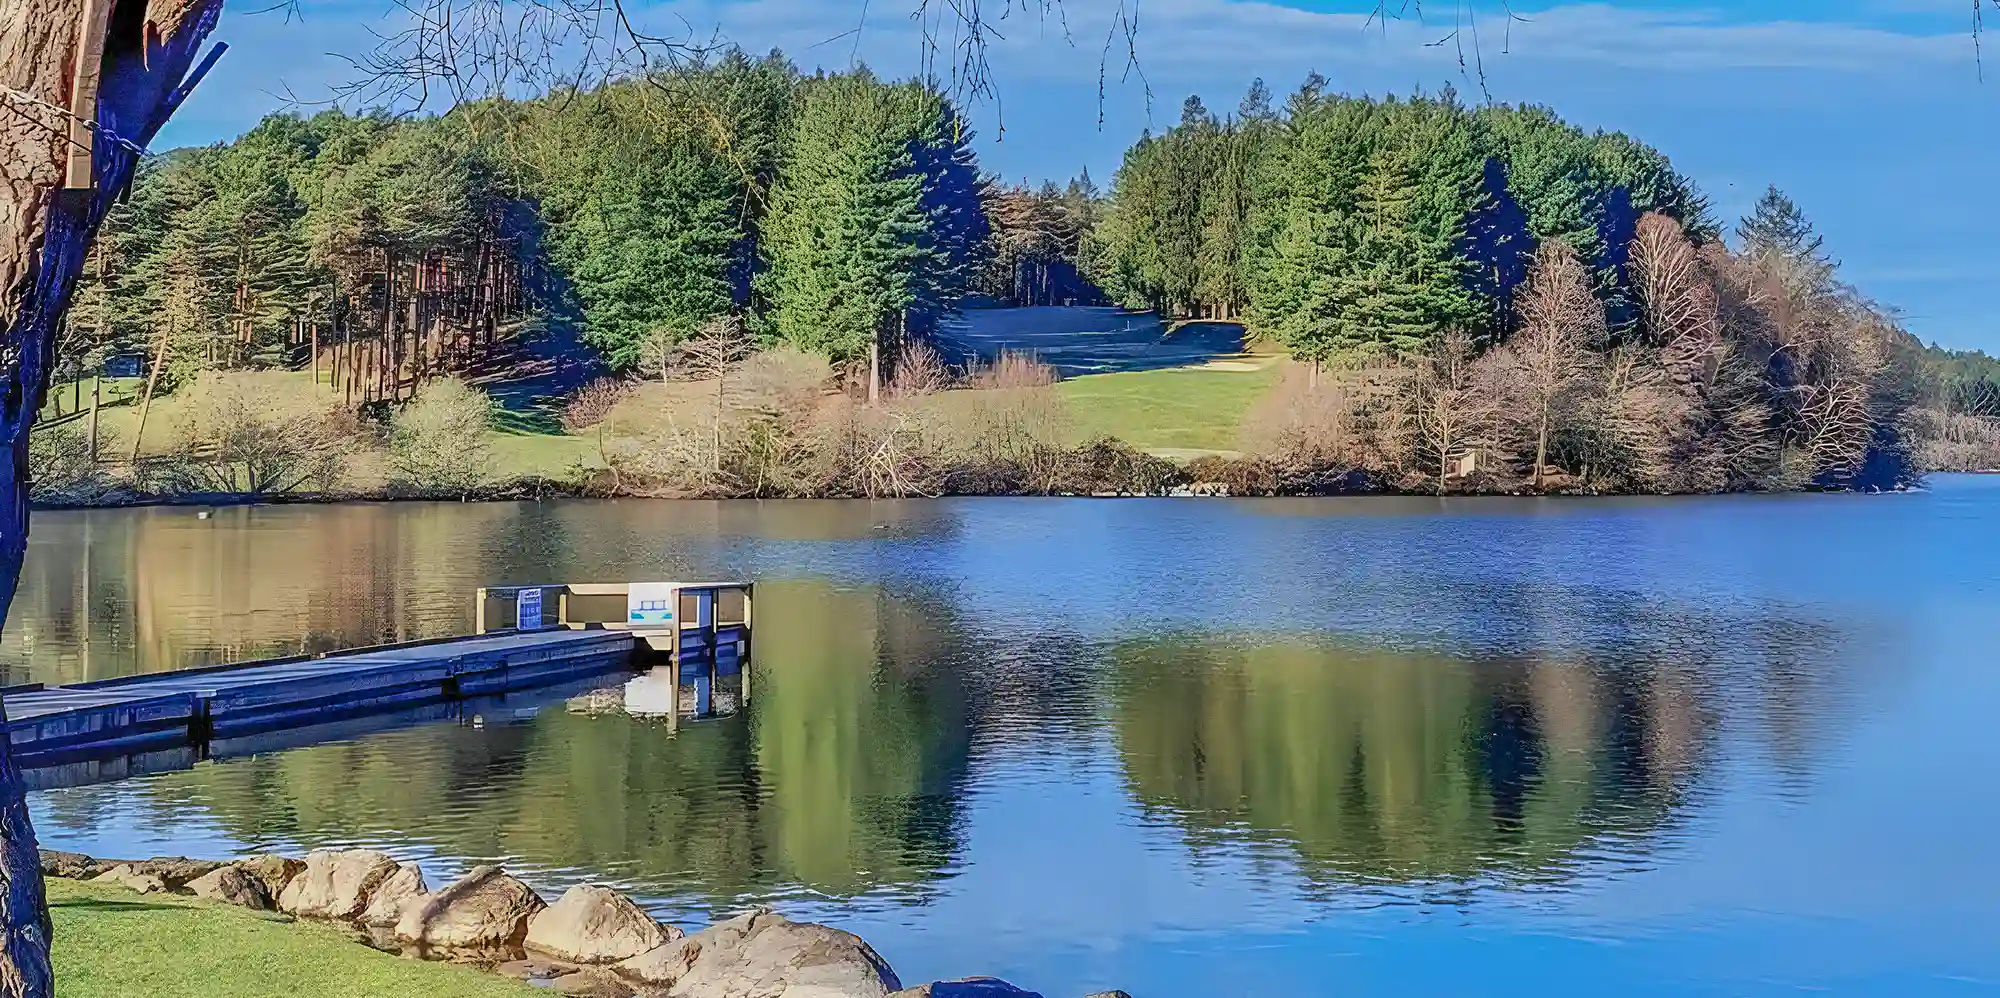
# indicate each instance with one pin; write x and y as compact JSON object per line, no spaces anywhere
{"x":1347,"y":225}
{"x":875,"y":213}
{"x":1362,"y":238}
{"x":224,"y":251}
{"x":1777,"y":223}
{"x":1961,"y":381}
{"x":1777,"y":227}
{"x":649,"y":190}
{"x":1173,"y":234}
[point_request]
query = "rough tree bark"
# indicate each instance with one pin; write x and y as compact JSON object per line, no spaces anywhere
{"x":52,"y":200}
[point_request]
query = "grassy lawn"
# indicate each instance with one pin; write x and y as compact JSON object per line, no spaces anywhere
{"x":1175,"y":410}
{"x":112,"y":943}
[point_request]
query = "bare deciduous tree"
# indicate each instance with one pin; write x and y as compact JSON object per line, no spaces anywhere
{"x":1544,"y":370}
{"x":1447,"y":414}
{"x":920,"y":371}
{"x":1676,"y":296}
{"x":713,"y":353}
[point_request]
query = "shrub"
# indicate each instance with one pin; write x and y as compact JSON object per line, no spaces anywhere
{"x":1114,"y":467}
{"x":252,"y":438}
{"x":1233,"y":476}
{"x":782,"y":382}
{"x":441,"y":442}
{"x":879,"y":452}
{"x":920,"y":371}
{"x":1012,"y":416}
{"x":1951,"y":441}
{"x":591,"y":405}
{"x":1320,"y":419}
{"x":60,"y":469}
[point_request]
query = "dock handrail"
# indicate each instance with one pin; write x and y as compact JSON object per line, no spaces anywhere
{"x":691,"y":606}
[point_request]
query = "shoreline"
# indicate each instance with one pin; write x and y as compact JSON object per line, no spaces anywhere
{"x":545,"y":490}
{"x":593,"y":941}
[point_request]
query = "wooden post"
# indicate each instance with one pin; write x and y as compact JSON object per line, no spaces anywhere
{"x":77,"y":174}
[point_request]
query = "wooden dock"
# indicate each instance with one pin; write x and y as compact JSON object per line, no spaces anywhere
{"x":170,"y":711}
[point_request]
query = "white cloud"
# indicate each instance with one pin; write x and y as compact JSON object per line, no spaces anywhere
{"x":1207,"y":37}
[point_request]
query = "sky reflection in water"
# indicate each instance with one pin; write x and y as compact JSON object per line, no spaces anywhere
{"x":1722,"y":746}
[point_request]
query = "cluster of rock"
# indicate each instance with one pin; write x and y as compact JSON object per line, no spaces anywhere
{"x":593,"y":942}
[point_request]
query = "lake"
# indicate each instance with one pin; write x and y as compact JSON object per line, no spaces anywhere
{"x":1371,"y":746}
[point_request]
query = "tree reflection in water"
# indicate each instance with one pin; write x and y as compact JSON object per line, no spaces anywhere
{"x":1380,"y":766}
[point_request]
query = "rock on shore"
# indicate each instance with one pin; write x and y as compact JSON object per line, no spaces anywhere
{"x":765,"y":954}
{"x":592,"y":943}
{"x":591,"y":924}
{"x":231,"y":885}
{"x":336,"y":884}
{"x":484,"y":910}
{"x":386,"y":908}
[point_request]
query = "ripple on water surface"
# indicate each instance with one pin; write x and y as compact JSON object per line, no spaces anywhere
{"x":1722,"y":746}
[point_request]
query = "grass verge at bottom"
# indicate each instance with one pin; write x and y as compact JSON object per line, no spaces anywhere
{"x":112,"y":943}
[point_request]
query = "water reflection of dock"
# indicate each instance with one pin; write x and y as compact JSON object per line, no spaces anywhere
{"x":692,"y":637}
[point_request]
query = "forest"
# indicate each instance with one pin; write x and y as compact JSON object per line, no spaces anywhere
{"x":1472,"y":297}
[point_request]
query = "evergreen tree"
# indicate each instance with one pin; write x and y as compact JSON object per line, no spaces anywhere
{"x":1498,"y":245}
{"x":1394,"y":300}
{"x":1778,"y":227}
{"x":642,"y":215}
{"x":1777,"y":223}
{"x":850,"y":242}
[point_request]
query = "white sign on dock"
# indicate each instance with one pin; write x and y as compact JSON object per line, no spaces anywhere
{"x":650,"y":604}
{"x":528,"y":609}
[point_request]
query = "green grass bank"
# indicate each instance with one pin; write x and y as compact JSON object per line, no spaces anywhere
{"x":112,"y":943}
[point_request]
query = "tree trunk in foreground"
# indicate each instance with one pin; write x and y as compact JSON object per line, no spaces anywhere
{"x":79,"y":79}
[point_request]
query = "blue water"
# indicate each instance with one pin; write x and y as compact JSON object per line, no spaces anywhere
{"x":1730,"y":746}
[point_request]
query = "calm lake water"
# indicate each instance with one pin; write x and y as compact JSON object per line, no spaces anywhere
{"x":1731,"y":746}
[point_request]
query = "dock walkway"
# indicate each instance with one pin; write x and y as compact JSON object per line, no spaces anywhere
{"x":137,"y":713}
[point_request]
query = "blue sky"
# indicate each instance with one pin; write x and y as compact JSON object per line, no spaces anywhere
{"x":1871,"y":113}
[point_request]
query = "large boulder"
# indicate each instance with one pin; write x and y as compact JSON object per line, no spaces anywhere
{"x":70,"y":865}
{"x":486,"y":909}
{"x":232,"y":886}
{"x":591,"y":924}
{"x":763,"y":954}
{"x":592,"y":982}
{"x":404,"y":886}
{"x":276,"y":872}
{"x":969,"y":987}
{"x":177,"y":871}
{"x":336,"y":884}
{"x":124,"y":875}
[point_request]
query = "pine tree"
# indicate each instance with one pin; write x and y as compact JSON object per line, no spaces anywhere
{"x":643,"y":212}
{"x":1393,"y":304}
{"x":1778,"y":227}
{"x":1497,"y":245}
{"x":849,"y":242}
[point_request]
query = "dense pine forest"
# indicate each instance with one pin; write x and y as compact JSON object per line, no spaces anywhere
{"x":1473,"y":297}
